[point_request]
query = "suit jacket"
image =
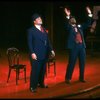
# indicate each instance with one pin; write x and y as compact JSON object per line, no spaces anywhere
{"x":38,"y":43}
{"x":72,"y":34}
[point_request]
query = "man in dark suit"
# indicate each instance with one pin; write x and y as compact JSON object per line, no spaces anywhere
{"x":39,"y":50}
{"x":76,"y":44}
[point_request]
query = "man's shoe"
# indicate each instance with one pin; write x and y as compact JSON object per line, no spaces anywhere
{"x":67,"y":81}
{"x":82,"y":81}
{"x":43,"y":86}
{"x":33,"y":90}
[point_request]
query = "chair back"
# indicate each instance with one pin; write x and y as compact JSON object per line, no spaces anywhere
{"x":13,"y":56}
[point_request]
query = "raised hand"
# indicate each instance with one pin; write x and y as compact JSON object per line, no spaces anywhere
{"x":67,"y":12}
{"x":88,"y":10}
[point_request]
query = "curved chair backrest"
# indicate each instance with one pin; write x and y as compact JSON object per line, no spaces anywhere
{"x":13,"y":56}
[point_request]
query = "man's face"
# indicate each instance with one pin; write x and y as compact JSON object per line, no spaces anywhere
{"x":38,"y":21}
{"x":73,"y":21}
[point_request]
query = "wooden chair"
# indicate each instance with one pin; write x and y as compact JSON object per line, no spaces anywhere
{"x":51,"y":63}
{"x":13,"y":61}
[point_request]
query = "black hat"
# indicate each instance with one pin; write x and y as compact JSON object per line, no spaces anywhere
{"x":35,"y":16}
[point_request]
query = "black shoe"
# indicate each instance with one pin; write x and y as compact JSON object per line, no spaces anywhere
{"x":82,"y":81}
{"x":67,"y":81}
{"x":43,"y":86}
{"x":33,"y":90}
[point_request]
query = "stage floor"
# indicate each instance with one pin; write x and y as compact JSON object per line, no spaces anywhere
{"x":57,"y":86}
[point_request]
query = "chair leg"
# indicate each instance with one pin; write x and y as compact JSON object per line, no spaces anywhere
{"x":17,"y":76}
{"x":48,"y":67}
{"x":54,"y":68}
{"x":46,"y":70}
{"x":25,"y":74}
{"x":9,"y":75}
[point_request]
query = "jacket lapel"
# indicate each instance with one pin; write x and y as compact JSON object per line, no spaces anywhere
{"x":39,"y":34}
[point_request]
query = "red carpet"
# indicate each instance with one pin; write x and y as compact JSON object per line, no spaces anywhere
{"x":57,"y":87}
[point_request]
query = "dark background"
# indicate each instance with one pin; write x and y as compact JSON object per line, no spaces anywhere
{"x":15,"y":19}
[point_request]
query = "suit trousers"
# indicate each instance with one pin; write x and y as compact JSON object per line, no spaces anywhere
{"x":80,"y":53}
{"x":37,"y":75}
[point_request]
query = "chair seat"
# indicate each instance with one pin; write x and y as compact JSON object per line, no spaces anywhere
{"x":20,"y":66}
{"x":51,"y":60}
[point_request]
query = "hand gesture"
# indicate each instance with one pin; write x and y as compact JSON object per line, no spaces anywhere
{"x":67,"y":12}
{"x":52,"y":53}
{"x":88,"y":10}
{"x":34,"y":56}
